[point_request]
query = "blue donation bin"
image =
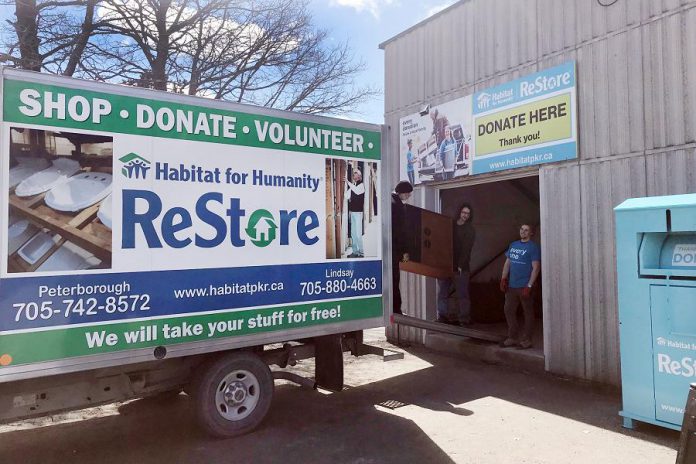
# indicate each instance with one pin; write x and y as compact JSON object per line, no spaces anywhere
{"x":656,"y":264}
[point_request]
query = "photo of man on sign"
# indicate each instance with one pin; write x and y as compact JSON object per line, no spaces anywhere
{"x":435,"y":143}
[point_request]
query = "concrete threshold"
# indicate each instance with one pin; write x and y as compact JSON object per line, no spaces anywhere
{"x":478,"y":342}
{"x":531,"y":359}
{"x":468,"y":331}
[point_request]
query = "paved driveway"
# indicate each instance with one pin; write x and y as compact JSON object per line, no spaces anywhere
{"x":427,"y":408}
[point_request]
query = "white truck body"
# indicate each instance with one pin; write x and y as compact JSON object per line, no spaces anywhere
{"x":197,"y":226}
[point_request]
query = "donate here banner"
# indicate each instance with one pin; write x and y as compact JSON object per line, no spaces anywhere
{"x":529,"y":121}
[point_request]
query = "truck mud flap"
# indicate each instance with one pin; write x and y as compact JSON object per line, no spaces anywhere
{"x":329,"y":362}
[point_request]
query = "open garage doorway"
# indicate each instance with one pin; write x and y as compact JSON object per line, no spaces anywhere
{"x":499,"y":208}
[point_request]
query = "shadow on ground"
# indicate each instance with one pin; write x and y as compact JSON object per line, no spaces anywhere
{"x":303,"y":426}
{"x":308,"y":426}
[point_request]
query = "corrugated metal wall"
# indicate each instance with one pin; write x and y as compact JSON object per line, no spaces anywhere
{"x":636,"y":64}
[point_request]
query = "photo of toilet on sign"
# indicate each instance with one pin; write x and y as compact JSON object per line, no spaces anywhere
{"x":529,"y":121}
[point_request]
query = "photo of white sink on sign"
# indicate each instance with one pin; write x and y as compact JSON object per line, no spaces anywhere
{"x":26,"y":168}
{"x":45,"y":180}
{"x":79,"y":191}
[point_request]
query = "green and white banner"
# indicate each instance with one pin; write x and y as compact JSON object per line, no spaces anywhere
{"x":136,"y":222}
{"x":65,"y":107}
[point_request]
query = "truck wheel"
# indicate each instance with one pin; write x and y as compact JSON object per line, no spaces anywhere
{"x":232,"y":394}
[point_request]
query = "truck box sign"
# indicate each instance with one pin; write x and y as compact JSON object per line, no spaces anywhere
{"x":138,"y":219}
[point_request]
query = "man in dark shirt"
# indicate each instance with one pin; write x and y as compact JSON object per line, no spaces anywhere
{"x":463,"y":240}
{"x":402,"y":192}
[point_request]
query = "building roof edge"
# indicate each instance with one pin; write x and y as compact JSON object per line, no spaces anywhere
{"x":420,"y":23}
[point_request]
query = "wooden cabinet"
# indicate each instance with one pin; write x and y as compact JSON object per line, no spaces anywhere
{"x":430,"y":241}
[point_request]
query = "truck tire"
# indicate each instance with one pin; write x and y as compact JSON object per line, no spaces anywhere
{"x":232,"y":394}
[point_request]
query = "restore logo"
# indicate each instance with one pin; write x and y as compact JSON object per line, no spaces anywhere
{"x":686,"y":367}
{"x":210,"y":222}
{"x":261,"y":228}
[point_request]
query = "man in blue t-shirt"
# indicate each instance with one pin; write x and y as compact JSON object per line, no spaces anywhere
{"x":520,"y":272}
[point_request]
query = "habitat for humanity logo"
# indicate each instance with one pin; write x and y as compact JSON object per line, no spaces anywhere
{"x":134,"y":166}
{"x":492,"y":99}
{"x":483,"y":100}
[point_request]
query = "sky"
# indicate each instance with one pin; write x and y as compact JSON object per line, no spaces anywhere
{"x":366,"y":24}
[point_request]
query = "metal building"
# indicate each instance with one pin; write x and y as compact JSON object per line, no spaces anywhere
{"x":636,"y":133}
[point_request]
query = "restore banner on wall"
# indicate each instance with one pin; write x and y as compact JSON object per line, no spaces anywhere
{"x":525,"y":122}
{"x":531,"y":120}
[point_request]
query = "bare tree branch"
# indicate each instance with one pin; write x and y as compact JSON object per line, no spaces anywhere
{"x":263,"y":52}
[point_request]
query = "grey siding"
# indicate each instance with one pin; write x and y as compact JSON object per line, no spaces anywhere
{"x":672,"y":173}
{"x":636,"y":65}
{"x":603,"y":185}
{"x":564,"y":336}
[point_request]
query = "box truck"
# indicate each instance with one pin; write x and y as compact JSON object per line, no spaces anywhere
{"x":154,"y":242}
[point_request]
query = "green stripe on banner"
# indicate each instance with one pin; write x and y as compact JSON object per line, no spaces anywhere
{"x":105,"y":112}
{"x":50,"y":345}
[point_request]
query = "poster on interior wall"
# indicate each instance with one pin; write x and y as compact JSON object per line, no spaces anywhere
{"x":525,"y":122}
{"x":435,"y":143}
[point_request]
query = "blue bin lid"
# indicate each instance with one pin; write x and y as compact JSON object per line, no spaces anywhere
{"x":664,"y":202}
